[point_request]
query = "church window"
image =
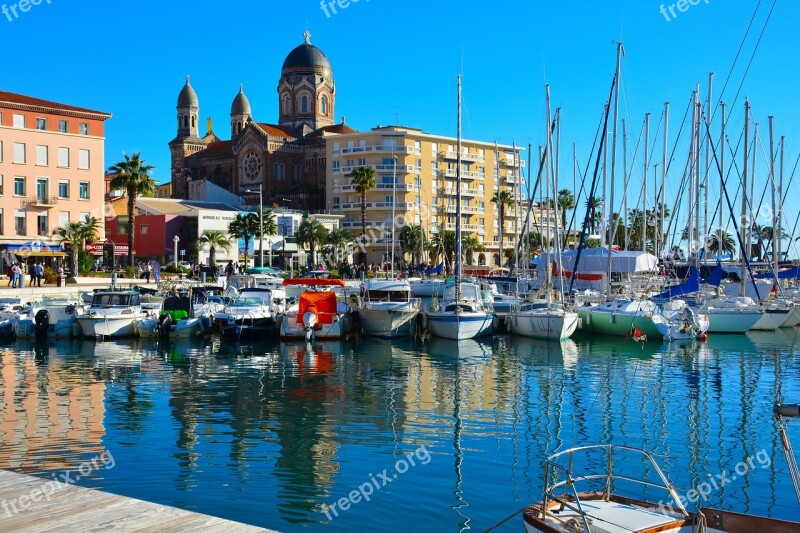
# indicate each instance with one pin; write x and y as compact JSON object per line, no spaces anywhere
{"x":324,"y":105}
{"x":286,"y":105}
{"x":185,"y":121}
{"x":194,"y":121}
{"x":304,"y":104}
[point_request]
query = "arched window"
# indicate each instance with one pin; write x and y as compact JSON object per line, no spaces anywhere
{"x":323,"y":104}
{"x":275,"y":171}
{"x":286,"y":105}
{"x":239,"y":127}
{"x":194,"y":121}
{"x":304,"y":104}
{"x":496,"y":259}
{"x":185,"y":121}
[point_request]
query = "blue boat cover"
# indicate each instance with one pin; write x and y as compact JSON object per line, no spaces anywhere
{"x":690,"y":284}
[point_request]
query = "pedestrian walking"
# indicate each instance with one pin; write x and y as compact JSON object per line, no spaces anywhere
{"x":39,"y":273}
{"x":10,"y":274}
{"x":15,"y":276}
{"x":147,"y":272}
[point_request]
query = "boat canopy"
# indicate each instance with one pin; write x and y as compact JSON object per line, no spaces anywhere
{"x":787,"y":273}
{"x":690,"y":284}
{"x":322,"y":304}
{"x":596,"y":260}
{"x":314,"y":281}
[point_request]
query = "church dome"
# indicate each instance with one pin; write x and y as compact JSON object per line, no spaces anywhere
{"x":188,"y":98}
{"x":306,"y":55}
{"x":240,"y":105}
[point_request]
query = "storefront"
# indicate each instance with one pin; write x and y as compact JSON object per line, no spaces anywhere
{"x":31,"y":252}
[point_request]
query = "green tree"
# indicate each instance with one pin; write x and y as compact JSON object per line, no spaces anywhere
{"x":595,"y":212}
{"x":244,"y":226}
{"x":312,"y":233}
{"x":363,"y":181}
{"x":470,"y":246}
{"x":445,"y":244}
{"x":503,"y":199}
{"x":721,"y":242}
{"x":133,"y":176}
{"x":215,"y":239}
{"x":566,"y":201}
{"x":338,"y":240}
{"x":412,"y":240}
{"x":78,"y":234}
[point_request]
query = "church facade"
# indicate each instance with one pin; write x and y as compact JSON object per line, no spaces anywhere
{"x":286,"y":161}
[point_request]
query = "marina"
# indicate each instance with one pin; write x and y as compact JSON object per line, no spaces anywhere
{"x":274,"y":434}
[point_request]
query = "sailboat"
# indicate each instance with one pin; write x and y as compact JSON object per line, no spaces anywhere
{"x":461,"y":314}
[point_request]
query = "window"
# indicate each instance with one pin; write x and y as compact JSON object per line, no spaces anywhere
{"x":19,"y":153}
{"x":83,"y":128}
{"x":287,"y":106}
{"x":1,"y":151}
{"x":63,"y":157}
{"x":83,"y":190}
{"x":122,"y":225}
{"x":63,"y":219}
{"x":304,"y":104}
{"x":336,"y":202}
{"x":19,"y":121}
{"x":388,"y":199}
{"x":336,"y":148}
{"x":349,"y":163}
{"x":41,"y":155}
{"x":41,"y":123}
{"x":2,"y":225}
{"x":19,"y":222}
{"x":41,"y":225}
{"x":83,"y":159}
{"x":362,"y":161}
{"x":336,"y":166}
{"x":19,"y":186}
{"x":1,"y":191}
{"x":63,"y":126}
{"x":63,"y":188}
{"x":42,"y":189}
{"x":143,"y":229}
{"x":324,"y":105}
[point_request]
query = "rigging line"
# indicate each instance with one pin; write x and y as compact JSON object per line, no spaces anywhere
{"x":583,"y":177}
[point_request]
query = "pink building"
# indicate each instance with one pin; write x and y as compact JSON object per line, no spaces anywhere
{"x":51,"y":170}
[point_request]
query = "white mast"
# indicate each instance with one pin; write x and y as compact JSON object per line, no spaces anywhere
{"x":609,"y":215}
{"x":458,"y":201}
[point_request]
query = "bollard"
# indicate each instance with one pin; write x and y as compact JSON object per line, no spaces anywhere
{"x":203,"y":278}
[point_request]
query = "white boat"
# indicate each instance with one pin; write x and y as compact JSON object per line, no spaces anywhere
{"x":578,"y":498}
{"x":387,"y":308}
{"x":427,"y":287}
{"x":730,"y":315}
{"x":460,"y":316}
{"x":176,"y":320}
{"x":250,"y":315}
{"x":54,"y":316}
{"x":318,"y":312}
{"x":502,"y":304}
{"x":683,"y":322}
{"x":541,"y":319}
{"x":113,"y":313}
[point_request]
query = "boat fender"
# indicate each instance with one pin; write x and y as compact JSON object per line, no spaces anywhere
{"x":787,"y":409}
{"x":69,"y":309}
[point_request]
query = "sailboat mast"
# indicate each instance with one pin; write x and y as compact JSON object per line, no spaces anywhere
{"x":779,"y":207}
{"x":744,"y":223}
{"x":663,"y":202}
{"x":775,"y":236}
{"x":610,"y":214}
{"x":546,"y":188}
{"x":708,"y":164}
{"x":644,"y":180}
{"x":394,"y":204}
{"x":720,"y":235}
{"x":625,"y":179}
{"x":458,"y":199}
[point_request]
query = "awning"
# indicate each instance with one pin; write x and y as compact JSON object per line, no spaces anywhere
{"x":43,"y":254}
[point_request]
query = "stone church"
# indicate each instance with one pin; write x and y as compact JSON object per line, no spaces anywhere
{"x":287,"y":159}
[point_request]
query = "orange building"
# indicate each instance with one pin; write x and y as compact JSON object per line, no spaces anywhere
{"x":51,"y":170}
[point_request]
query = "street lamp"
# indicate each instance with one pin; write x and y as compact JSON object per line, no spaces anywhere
{"x":176,"y":240}
{"x":260,"y":225}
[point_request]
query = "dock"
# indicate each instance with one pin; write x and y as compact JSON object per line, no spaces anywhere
{"x":31,"y":504}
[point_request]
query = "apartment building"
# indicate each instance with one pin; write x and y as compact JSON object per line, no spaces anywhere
{"x":51,"y":170}
{"x":416,"y":180}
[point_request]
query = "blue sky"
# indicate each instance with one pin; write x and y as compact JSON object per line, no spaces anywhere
{"x":400,"y":59}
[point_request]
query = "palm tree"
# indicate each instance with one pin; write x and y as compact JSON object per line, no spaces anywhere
{"x":721,"y":242}
{"x":311,"y":232}
{"x":338,"y":240}
{"x":470,"y":246}
{"x":593,"y":204}
{"x":215,"y":239}
{"x":503,"y":199}
{"x":566,"y":201}
{"x":244,"y":226}
{"x":412,"y":239}
{"x":363,"y":181}
{"x":445,"y":243}
{"x":78,"y":234}
{"x":132,"y":175}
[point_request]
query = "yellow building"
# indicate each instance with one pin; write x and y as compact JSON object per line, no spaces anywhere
{"x":425,"y":190}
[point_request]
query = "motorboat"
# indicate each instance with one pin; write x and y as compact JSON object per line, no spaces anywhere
{"x":250,"y":314}
{"x":176,"y":320}
{"x":54,"y":316}
{"x":113,"y":313}
{"x":387,"y":308}
{"x":318,"y":312}
{"x":461,"y":314}
{"x":579,"y":497}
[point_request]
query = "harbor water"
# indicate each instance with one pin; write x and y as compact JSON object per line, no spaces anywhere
{"x":411,"y":435}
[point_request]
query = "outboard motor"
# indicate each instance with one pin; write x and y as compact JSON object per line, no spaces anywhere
{"x":41,"y":323}
{"x":310,"y":321}
{"x":164,"y":325}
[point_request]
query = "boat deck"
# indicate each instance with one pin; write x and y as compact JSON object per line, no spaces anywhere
{"x":31,"y":504}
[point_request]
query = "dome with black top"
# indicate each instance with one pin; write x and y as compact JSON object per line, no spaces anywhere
{"x":187,"y":97}
{"x":241,"y":105}
{"x":306,"y":55}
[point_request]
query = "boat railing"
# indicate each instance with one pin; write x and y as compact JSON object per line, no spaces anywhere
{"x":555,"y":470}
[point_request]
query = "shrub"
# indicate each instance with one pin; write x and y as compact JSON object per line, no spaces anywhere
{"x":50,"y":275}
{"x":129,"y":272}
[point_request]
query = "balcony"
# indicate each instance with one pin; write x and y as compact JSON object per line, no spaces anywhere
{"x":464,"y":192}
{"x":465,"y":174}
{"x":377,"y":149}
{"x":465,"y":156}
{"x":383,"y":169}
{"x":467,"y":210}
{"x":509,"y":162}
{"x":41,"y":201}
{"x":470,"y":228}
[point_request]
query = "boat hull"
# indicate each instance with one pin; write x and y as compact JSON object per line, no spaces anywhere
{"x":771,"y":319}
{"x":290,"y":329}
{"x":548,"y":324}
{"x":112,"y":326}
{"x":460,"y":326}
{"x":730,"y":320}
{"x":605,"y":322}
{"x":387,"y":322}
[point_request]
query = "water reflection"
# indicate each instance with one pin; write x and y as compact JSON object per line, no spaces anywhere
{"x":271,"y":433}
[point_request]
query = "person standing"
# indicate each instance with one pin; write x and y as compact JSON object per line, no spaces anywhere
{"x":40,"y":272}
{"x":15,"y":276}
{"x":147,"y":271}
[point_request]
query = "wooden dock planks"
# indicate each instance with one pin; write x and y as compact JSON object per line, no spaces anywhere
{"x":71,"y":508}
